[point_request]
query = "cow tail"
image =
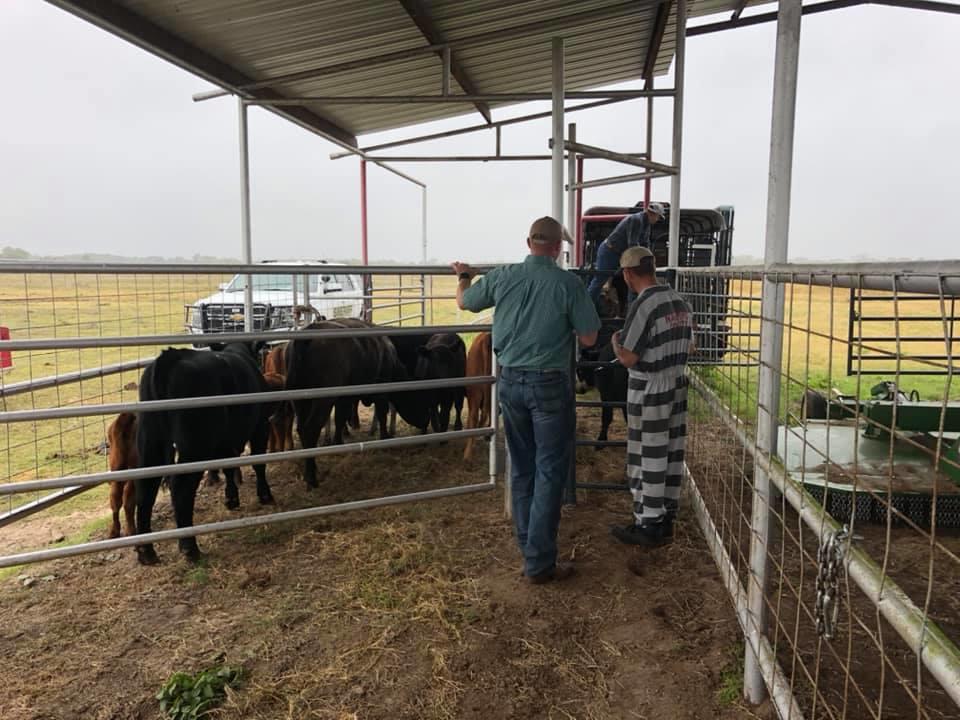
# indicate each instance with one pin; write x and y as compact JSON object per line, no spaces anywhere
{"x":296,"y":359}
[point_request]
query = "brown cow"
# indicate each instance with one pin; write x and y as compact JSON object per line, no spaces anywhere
{"x":281,"y":420}
{"x":122,"y":437}
{"x":479,"y":363}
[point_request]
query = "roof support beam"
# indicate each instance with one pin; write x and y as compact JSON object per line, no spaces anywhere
{"x":656,"y":40}
{"x":738,"y":10}
{"x":732,"y":24}
{"x":132,"y":27}
{"x":447,"y":99}
{"x":420,"y":14}
{"x":475,"y":128}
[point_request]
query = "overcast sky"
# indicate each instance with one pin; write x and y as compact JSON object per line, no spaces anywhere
{"x":103,"y":150}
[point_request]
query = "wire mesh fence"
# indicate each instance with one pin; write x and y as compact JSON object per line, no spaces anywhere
{"x":190,"y":305}
{"x":853,"y":555}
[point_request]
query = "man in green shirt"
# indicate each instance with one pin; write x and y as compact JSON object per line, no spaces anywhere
{"x":539,"y":307}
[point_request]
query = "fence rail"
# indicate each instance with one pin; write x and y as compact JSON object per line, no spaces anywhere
{"x":840,"y":451}
{"x":81,"y":334}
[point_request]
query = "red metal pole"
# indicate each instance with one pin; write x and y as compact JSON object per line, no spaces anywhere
{"x":579,"y":230}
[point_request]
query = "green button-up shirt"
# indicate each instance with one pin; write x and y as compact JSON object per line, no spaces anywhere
{"x":539,"y":307}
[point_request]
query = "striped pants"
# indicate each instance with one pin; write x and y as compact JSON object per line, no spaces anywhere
{"x":657,"y":422}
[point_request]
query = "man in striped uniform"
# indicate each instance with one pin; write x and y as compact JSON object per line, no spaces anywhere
{"x":654,"y":345}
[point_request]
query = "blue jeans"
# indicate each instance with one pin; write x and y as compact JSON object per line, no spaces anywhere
{"x":607,"y":259}
{"x":537,"y":408}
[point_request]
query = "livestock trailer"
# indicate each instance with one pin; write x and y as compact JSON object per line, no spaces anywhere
{"x":706,"y":239}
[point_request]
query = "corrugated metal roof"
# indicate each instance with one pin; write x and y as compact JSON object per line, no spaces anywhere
{"x":234,"y":43}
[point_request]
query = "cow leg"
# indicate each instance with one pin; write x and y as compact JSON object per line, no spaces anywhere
{"x":129,"y":504}
{"x":116,"y":501}
{"x":458,"y":406}
{"x":146,"y":494}
{"x":606,"y":417}
{"x":473,"y":418}
{"x":344,"y":408}
{"x":287,"y":426}
{"x":257,"y":442}
{"x":379,"y":424}
{"x":393,"y":421}
{"x":183,"y":494}
{"x":308,"y":427}
{"x":230,"y":493}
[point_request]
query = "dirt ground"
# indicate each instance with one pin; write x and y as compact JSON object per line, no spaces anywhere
{"x":415,"y":611}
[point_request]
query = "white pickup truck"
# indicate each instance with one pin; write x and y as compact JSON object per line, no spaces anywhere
{"x":319,"y":293}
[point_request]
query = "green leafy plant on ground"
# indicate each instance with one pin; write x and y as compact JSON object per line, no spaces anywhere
{"x":731,"y":678}
{"x":190,"y":697}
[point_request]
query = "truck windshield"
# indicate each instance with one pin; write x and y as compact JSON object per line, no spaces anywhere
{"x":284,"y":283}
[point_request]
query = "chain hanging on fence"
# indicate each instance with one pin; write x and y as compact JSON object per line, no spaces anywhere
{"x":830,"y":556}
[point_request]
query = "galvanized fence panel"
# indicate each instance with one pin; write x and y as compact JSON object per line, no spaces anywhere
{"x":871,"y":482}
{"x":80,"y":335}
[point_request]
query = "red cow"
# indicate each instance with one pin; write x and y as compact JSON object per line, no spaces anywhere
{"x":479,"y":363}
{"x":122,"y":437}
{"x":281,"y":420}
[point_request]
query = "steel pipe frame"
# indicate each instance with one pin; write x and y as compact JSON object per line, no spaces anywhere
{"x":571,"y":220}
{"x":556,"y":133}
{"x":468,"y":99}
{"x":640,"y":159}
{"x":781,"y":693}
{"x":30,"y":268}
{"x":496,"y":125}
{"x":71,"y":377}
{"x":80,"y":343}
{"x":936,"y":651}
{"x":772,"y":302}
{"x":462,"y":158}
{"x":30,"y":508}
{"x":617,"y":179}
{"x":673,"y":247}
{"x":246,"y":246}
{"x":238,"y":524}
{"x":921,"y":277}
{"x":256,"y":398}
{"x":92,"y":479}
{"x":737,"y":21}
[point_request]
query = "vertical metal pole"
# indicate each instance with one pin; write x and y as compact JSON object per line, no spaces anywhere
{"x":246,"y":247}
{"x":570,"y":490}
{"x":364,"y":259}
{"x":647,"y":184}
{"x":556,"y":179}
{"x":423,"y":255}
{"x":771,"y":326}
{"x":494,"y":423}
{"x":673,"y":256}
{"x":578,"y":254}
{"x":571,"y":193}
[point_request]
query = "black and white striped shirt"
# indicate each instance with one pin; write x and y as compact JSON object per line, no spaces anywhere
{"x":658,"y":328}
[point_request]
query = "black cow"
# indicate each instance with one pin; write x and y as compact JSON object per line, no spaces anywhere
{"x":337,"y":361}
{"x":180,"y":436}
{"x":611,"y":381}
{"x":444,"y":356}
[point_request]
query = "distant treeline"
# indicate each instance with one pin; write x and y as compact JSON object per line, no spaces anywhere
{"x":8,"y":254}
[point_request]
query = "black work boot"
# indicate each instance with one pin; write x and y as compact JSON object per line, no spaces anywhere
{"x":646,"y":535}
